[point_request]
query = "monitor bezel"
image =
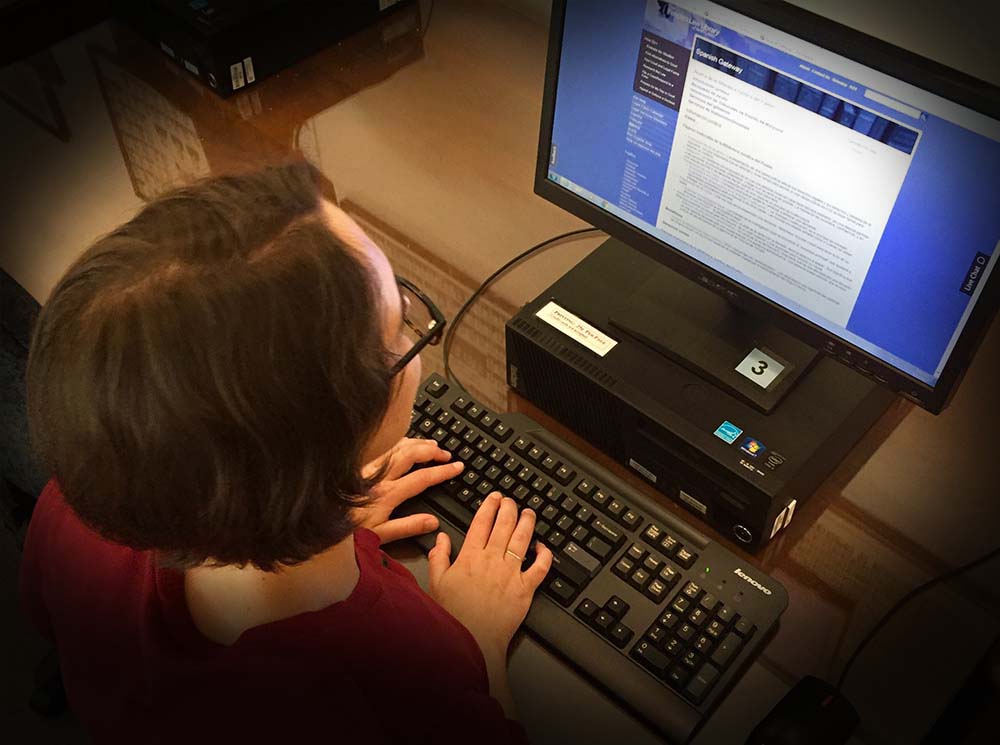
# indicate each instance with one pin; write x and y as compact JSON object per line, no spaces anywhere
{"x":875,"y":53}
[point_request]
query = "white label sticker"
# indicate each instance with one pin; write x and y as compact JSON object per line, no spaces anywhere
{"x":236,"y":74}
{"x":248,"y":64}
{"x":692,"y":502}
{"x":761,"y":368}
{"x":789,"y":511}
{"x":384,"y":4}
{"x":191,"y":67}
{"x":592,"y":338}
{"x":167,"y":49}
{"x":779,"y":523}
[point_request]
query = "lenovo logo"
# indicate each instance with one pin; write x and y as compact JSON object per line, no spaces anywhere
{"x":744,"y":576}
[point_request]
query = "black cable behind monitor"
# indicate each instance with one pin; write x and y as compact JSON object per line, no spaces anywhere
{"x":450,"y":333}
{"x":904,"y":600}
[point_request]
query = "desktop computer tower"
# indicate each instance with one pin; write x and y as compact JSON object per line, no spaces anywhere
{"x":741,"y":470}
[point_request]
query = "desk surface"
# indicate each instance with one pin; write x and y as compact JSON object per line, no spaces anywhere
{"x":428,"y":133}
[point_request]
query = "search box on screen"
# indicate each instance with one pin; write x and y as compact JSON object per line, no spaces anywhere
{"x":892,"y":103}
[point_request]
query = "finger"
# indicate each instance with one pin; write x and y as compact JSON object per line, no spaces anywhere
{"x":504,"y":526}
{"x":482,"y":522}
{"x":439,"y":559}
{"x":408,"y":452}
{"x":520,"y":539}
{"x":398,"y":491}
{"x":406,"y":527}
{"x":534,"y":574}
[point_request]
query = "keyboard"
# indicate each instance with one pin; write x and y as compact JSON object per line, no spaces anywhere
{"x":659,"y":616}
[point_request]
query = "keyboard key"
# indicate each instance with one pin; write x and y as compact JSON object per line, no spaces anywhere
{"x":615,"y":508}
{"x":677,"y":677}
{"x":656,"y":634}
{"x":636,"y":552}
{"x":584,"y":514}
{"x":512,"y":465}
{"x":549,"y":464}
{"x":616,"y":607}
{"x":520,"y":445}
{"x":726,"y":650}
{"x":466,"y":453}
{"x":550,"y":513}
{"x":698,"y":616}
{"x":599,"y":548}
{"x":573,"y":554}
{"x":585,"y":488}
{"x":501,"y":431}
{"x":565,"y":523}
{"x":542,"y":529}
{"x":725,"y":614}
{"x":465,"y":496}
{"x":603,"y":621}
{"x":553,"y":495}
{"x":580,"y":534}
{"x":669,"y":544}
{"x":506,"y":483}
{"x":669,"y":619}
{"x":421,"y":401}
{"x":436,"y":388}
{"x":691,"y":590}
{"x":702,"y":683}
{"x":536,"y":503}
{"x":744,"y":628}
{"x":669,"y":576}
{"x":474,"y":412}
{"x":607,"y":531}
{"x":470,"y":478}
{"x":535,"y":454}
{"x":478,"y":463}
{"x":708,"y":602}
{"x":651,"y":658}
{"x":715,"y":629}
{"x":674,"y":646}
{"x":487,"y":420}
{"x":564,"y":474}
{"x":656,"y":591}
{"x":652,"y":534}
{"x":651,"y":564}
{"x":600,"y":498}
{"x":452,"y":444}
{"x":450,"y":509}
{"x":703,"y":644}
{"x":444,"y":418}
{"x":691,"y":660}
{"x":631,"y":520}
{"x":525,"y":475}
{"x":639,"y":578}
{"x":520,"y":493}
{"x":561,"y":591}
{"x":460,"y":404}
{"x":685,"y":632}
{"x":569,"y":505}
{"x":439,"y":435}
{"x":426,"y":426}
{"x":540,"y":485}
{"x":680,"y":605}
{"x":497,"y":455}
{"x":484,"y":487}
{"x":624,"y":567}
{"x":555,"y":539}
{"x":586,"y":609}
{"x":686,"y":558}
{"x":620,"y":635}
{"x":470,"y":436}
{"x":484,"y":445}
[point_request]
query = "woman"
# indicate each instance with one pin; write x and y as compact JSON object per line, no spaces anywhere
{"x":220,"y":388}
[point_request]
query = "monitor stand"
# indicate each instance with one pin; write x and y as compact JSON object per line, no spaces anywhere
{"x":713,"y":337}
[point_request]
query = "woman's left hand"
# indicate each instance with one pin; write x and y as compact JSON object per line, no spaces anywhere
{"x":399,"y":484}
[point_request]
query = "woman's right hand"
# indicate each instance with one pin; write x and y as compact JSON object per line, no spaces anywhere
{"x":485,"y":588}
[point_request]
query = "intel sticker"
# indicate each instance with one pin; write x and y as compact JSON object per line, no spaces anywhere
{"x":728,"y":432}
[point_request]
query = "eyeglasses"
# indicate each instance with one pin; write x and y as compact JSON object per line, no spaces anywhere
{"x":423,"y":320}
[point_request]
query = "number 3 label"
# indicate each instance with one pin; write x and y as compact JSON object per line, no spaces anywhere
{"x":760,"y":367}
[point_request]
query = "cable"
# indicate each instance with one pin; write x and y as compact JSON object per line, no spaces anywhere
{"x":904,"y":600}
{"x":450,"y":333}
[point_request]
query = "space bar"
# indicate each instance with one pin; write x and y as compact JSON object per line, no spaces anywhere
{"x":450,"y":508}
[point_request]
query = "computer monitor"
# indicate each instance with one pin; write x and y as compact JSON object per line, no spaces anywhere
{"x":842,"y":188}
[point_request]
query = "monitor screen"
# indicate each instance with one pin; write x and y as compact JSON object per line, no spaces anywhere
{"x":864,"y":205}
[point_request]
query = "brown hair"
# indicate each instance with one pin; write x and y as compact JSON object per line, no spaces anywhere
{"x":203,"y":380}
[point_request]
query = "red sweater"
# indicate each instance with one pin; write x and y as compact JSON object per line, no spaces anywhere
{"x":386,"y":665}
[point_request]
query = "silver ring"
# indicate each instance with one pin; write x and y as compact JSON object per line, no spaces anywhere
{"x":519,"y":558}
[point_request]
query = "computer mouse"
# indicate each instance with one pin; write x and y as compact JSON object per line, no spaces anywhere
{"x":812,"y":713}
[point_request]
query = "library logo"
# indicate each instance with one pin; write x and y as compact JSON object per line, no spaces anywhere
{"x":728,"y":432}
{"x":752,"y":447}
